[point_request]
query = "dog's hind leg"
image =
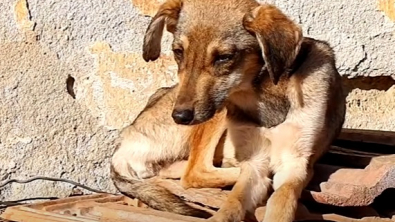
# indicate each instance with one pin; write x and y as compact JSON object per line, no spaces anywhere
{"x":136,"y":163}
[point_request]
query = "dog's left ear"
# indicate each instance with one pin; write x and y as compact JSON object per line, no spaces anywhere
{"x":167,"y":14}
{"x":278,"y":36}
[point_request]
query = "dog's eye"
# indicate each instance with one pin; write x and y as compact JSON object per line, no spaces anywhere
{"x":178,"y":52}
{"x":224,"y":58}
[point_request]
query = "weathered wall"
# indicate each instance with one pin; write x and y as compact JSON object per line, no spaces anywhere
{"x":95,"y":47}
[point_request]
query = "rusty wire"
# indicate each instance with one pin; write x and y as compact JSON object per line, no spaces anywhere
{"x":17,"y":202}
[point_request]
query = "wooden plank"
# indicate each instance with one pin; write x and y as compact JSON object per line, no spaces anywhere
{"x":88,"y":201}
{"x":113,"y":212}
{"x":26,"y":214}
{"x":304,"y":215}
{"x":368,"y":136}
{"x":351,"y":158}
{"x":117,"y":212}
{"x":67,"y":200}
{"x":211,"y":197}
{"x":90,"y":208}
{"x":361,"y":150}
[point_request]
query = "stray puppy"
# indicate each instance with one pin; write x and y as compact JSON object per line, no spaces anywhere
{"x":155,"y":146}
{"x":282,"y":92}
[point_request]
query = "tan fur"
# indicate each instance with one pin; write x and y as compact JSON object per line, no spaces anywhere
{"x":154,"y":146}
{"x":270,"y":99}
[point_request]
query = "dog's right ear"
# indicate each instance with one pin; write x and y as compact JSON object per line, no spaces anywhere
{"x":167,"y":15}
{"x":278,"y":36}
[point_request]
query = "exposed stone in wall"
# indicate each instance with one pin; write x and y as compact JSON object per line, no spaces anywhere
{"x":121,"y":82}
{"x":388,"y":7}
{"x":147,"y":7}
{"x":43,"y":130}
{"x":71,"y":76}
{"x":370,"y":103}
{"x":362,"y":36}
{"x":22,"y":16}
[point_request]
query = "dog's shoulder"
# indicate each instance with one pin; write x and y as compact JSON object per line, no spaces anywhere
{"x":158,"y":95}
{"x":311,"y":40}
{"x":156,"y":109}
{"x":316,"y":57}
{"x":162,"y":99}
{"x":319,"y":49}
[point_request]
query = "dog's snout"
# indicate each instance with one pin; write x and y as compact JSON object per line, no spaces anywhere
{"x":184,"y":116}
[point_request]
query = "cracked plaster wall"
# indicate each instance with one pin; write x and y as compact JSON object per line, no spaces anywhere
{"x":45,"y":131}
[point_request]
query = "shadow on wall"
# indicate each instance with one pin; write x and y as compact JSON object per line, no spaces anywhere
{"x":382,"y":83}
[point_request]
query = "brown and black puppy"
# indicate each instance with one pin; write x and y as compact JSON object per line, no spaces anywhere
{"x":282,"y":93}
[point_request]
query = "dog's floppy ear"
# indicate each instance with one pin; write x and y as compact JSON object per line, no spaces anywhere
{"x":278,"y":36}
{"x":167,"y":14}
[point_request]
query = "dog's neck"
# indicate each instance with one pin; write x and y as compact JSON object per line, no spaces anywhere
{"x":305,"y":48}
{"x":266,"y":108}
{"x":262,"y":103}
{"x":257,"y":101}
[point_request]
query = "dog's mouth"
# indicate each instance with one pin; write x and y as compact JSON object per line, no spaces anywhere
{"x":208,"y":112}
{"x":204,"y":108}
{"x":194,"y":116}
{"x":203,"y":117}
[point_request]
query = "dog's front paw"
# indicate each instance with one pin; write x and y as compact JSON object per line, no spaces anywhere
{"x":281,"y":206}
{"x":232,"y":211}
{"x":213,"y":219}
{"x":250,"y":217}
{"x":193,"y":179}
{"x":218,"y":218}
{"x":229,"y":162}
{"x":227,"y":218}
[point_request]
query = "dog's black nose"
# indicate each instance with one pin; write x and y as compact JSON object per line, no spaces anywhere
{"x":184,"y":116}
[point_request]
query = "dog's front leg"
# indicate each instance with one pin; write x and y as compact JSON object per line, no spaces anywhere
{"x":292,"y":164}
{"x":249,"y":190}
{"x":253,"y":184}
{"x":288,"y":184}
{"x":174,"y":171}
{"x":200,"y":171}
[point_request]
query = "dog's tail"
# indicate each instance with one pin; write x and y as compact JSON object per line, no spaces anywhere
{"x":154,"y":195}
